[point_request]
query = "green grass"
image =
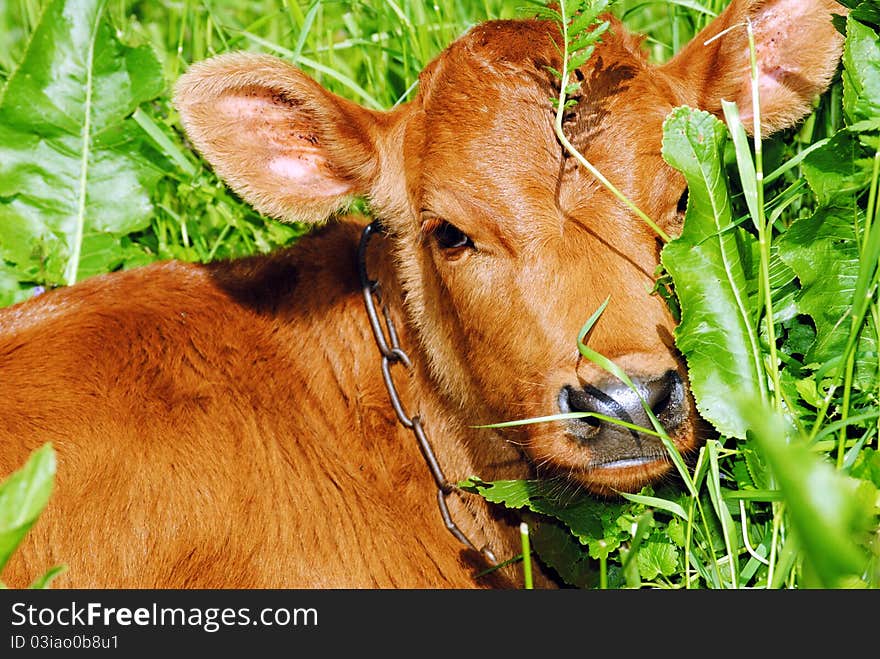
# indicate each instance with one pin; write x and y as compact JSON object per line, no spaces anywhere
{"x":743,"y":517}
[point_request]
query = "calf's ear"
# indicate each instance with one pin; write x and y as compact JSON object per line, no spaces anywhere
{"x":797,"y":49}
{"x":286,"y":145}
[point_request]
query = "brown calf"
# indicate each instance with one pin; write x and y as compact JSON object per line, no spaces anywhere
{"x":226,"y":425}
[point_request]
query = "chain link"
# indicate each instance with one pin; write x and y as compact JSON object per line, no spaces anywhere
{"x":387,"y":340}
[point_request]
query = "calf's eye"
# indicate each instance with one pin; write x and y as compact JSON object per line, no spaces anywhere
{"x":449,"y":236}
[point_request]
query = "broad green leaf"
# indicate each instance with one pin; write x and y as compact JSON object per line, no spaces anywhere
{"x":838,"y":171}
{"x":866,"y":11}
{"x":823,"y":252}
{"x":716,"y":333}
{"x":677,"y":532}
{"x":73,"y":165}
{"x":23,"y":495}
{"x":657,"y":558}
{"x":561,"y":551}
{"x":583,"y":518}
{"x":783,"y":287}
{"x":580,"y":512}
{"x":512,"y":493}
{"x":861,"y":75}
{"x":602,"y":548}
{"x":831,"y":513}
{"x":11,"y":289}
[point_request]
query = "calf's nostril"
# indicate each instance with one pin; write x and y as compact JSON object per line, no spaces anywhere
{"x":661,"y":391}
{"x":597,"y":401}
{"x":666,"y":397}
{"x":612,"y":398}
{"x":576,"y":400}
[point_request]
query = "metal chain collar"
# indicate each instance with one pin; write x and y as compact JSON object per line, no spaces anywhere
{"x":389,"y":345}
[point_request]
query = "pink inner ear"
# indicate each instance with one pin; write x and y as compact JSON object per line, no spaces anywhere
{"x":308,"y":170}
{"x":283,"y":133}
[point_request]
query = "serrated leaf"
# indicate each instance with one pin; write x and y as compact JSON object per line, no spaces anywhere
{"x":602,"y":548}
{"x":657,"y":558}
{"x":547,"y":14}
{"x":716,"y":333}
{"x":578,"y":60}
{"x":510,"y":493}
{"x":580,"y":512}
{"x":742,"y":476}
{"x":587,"y":41}
{"x":837,"y":171}
{"x":822,"y":250}
{"x":677,"y":532}
{"x":71,"y":161}
{"x":23,"y":496}
{"x":587,"y":17}
{"x":567,"y":8}
{"x":757,"y":466}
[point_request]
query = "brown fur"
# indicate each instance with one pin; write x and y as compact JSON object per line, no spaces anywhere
{"x":226,"y":425}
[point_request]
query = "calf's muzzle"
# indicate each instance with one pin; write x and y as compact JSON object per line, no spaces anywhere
{"x":612,"y":444}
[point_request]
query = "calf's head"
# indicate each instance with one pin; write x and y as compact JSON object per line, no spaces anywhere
{"x":503,"y":244}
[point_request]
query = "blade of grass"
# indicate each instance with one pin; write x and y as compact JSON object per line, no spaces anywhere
{"x":527,"y":555}
{"x":164,"y":143}
{"x":570,"y":415}
{"x":723,"y":514}
{"x":317,"y":66}
{"x":305,"y":29}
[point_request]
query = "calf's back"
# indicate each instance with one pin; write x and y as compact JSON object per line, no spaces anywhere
{"x":219,"y":426}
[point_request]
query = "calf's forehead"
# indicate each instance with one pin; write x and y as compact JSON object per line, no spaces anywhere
{"x":484,"y":115}
{"x":483,"y":122}
{"x":495,"y":155}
